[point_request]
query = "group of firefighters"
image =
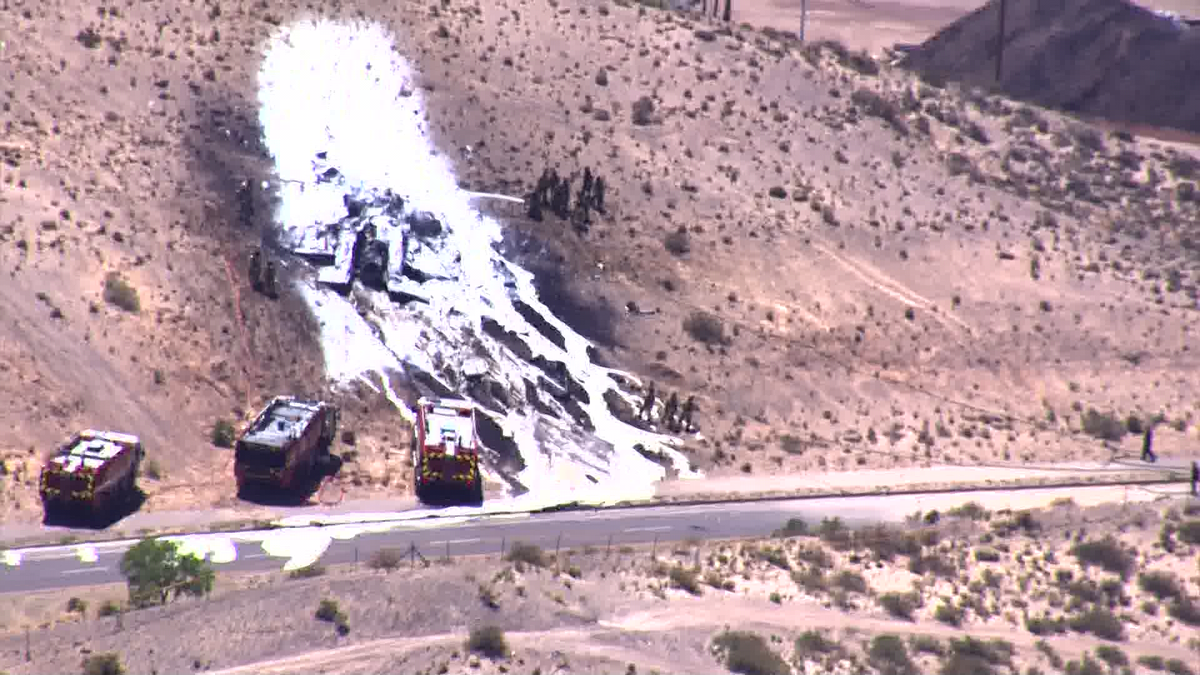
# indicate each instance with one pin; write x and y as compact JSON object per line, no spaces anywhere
{"x":672,"y":416}
{"x":554,"y":193}
{"x":1149,"y":456}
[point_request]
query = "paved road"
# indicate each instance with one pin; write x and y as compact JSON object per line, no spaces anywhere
{"x":87,"y":564}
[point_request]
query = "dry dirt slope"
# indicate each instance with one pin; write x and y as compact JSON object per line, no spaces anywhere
{"x":1105,"y":58}
{"x":856,"y":237}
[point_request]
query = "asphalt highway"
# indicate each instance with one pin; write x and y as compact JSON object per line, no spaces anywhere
{"x":54,"y":567}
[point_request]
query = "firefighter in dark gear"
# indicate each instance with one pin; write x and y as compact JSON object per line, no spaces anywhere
{"x":552,"y":181}
{"x":586,"y":194}
{"x":1195,"y":477}
{"x":535,"y":206}
{"x":668,"y":416}
{"x":256,"y":269}
{"x":269,"y":279}
{"x":598,"y":194}
{"x":647,"y":404}
{"x":246,"y":201}
{"x":689,"y":407}
{"x":1148,"y":445}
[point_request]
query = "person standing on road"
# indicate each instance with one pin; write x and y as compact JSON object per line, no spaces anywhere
{"x":1148,"y":444}
{"x":1195,"y":477}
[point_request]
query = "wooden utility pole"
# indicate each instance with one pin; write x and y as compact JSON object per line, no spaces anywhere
{"x":1000,"y":41}
{"x":803,"y":17}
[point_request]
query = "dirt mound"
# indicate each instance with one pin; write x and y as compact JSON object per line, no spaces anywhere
{"x":1102,"y":58}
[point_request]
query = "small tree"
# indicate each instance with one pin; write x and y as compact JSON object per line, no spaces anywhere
{"x":103,"y":664}
{"x":223,"y":434}
{"x":154,"y":569}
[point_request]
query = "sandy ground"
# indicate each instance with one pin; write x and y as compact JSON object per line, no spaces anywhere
{"x":959,"y":285}
{"x":1008,"y":578}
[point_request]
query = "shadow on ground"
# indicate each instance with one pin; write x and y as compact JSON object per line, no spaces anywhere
{"x":95,"y":520}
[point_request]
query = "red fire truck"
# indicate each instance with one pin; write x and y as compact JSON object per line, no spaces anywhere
{"x":92,"y":473}
{"x":286,"y":444}
{"x":446,"y":450}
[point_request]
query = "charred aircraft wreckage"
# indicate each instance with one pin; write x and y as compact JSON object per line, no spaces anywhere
{"x":385,"y":245}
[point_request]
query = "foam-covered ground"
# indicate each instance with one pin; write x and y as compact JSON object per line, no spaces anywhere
{"x":339,"y":95}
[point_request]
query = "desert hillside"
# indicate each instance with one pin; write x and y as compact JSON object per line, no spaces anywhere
{"x":1110,"y":59}
{"x":845,"y":266}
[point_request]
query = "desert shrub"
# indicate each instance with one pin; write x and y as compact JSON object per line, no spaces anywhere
{"x":835,"y":533}
{"x":932,"y":564}
{"x":103,"y":664}
{"x":969,"y":656}
{"x":1160,"y":584}
{"x":794,"y":527}
{"x":108,"y":608}
{"x":1189,"y":532}
{"x":118,"y":292}
{"x":1086,"y":666}
{"x":1099,"y":622}
{"x":986,"y":554}
{"x":1178,"y":667}
{"x":1104,"y":426}
{"x":811,"y":580}
{"x":386,"y":559}
{"x":814,"y":643}
{"x":748,"y":653}
{"x":851,"y":581}
{"x":1113,"y":656}
{"x":889,"y":655}
{"x":643,"y":111}
{"x":686,"y":579}
{"x":530,"y":554}
{"x":1151,"y":661}
{"x":970,"y":511}
{"x":223,"y":434}
{"x":154,"y":571}
{"x":1045,"y":625}
{"x":1184,"y":610}
{"x":928,"y":644}
{"x":900,"y":605}
{"x":77,"y":605}
{"x":1107,"y":554}
{"x":88,"y":37}
{"x":308,"y":571}
{"x":948,"y":614}
{"x":777,"y":557}
{"x":328,"y":610}
{"x":886,"y":542}
{"x":705,"y":327}
{"x":489,"y":641}
{"x":678,"y":242}
{"x":815,"y":555}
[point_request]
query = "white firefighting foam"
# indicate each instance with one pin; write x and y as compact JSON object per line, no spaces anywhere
{"x":343,"y":90}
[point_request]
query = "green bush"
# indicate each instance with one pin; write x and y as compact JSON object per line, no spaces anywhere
{"x":1151,"y":661}
{"x":851,"y":581}
{"x":1113,"y":656}
{"x":795,"y":527}
{"x":530,"y":554}
{"x":1160,"y":584}
{"x":749,"y":654}
{"x":328,"y":610}
{"x":1178,"y":667}
{"x":686,"y":579}
{"x":155,"y":570}
{"x":1107,"y":554}
{"x":118,"y":292}
{"x":489,"y":641}
{"x":223,"y":434}
{"x":900,"y":605}
{"x":103,"y":664}
{"x":889,"y":655}
{"x":1189,"y":532}
{"x":77,"y":605}
{"x":887,"y":542}
{"x":308,"y":571}
{"x":386,"y":559}
{"x":1099,"y":622}
{"x":705,"y":327}
{"x":1184,"y":610}
{"x":948,"y":614}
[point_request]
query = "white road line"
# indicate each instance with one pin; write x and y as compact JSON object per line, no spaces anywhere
{"x":455,"y":541}
{"x":254,"y":555}
{"x":663,"y":528}
{"x":86,"y":570}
